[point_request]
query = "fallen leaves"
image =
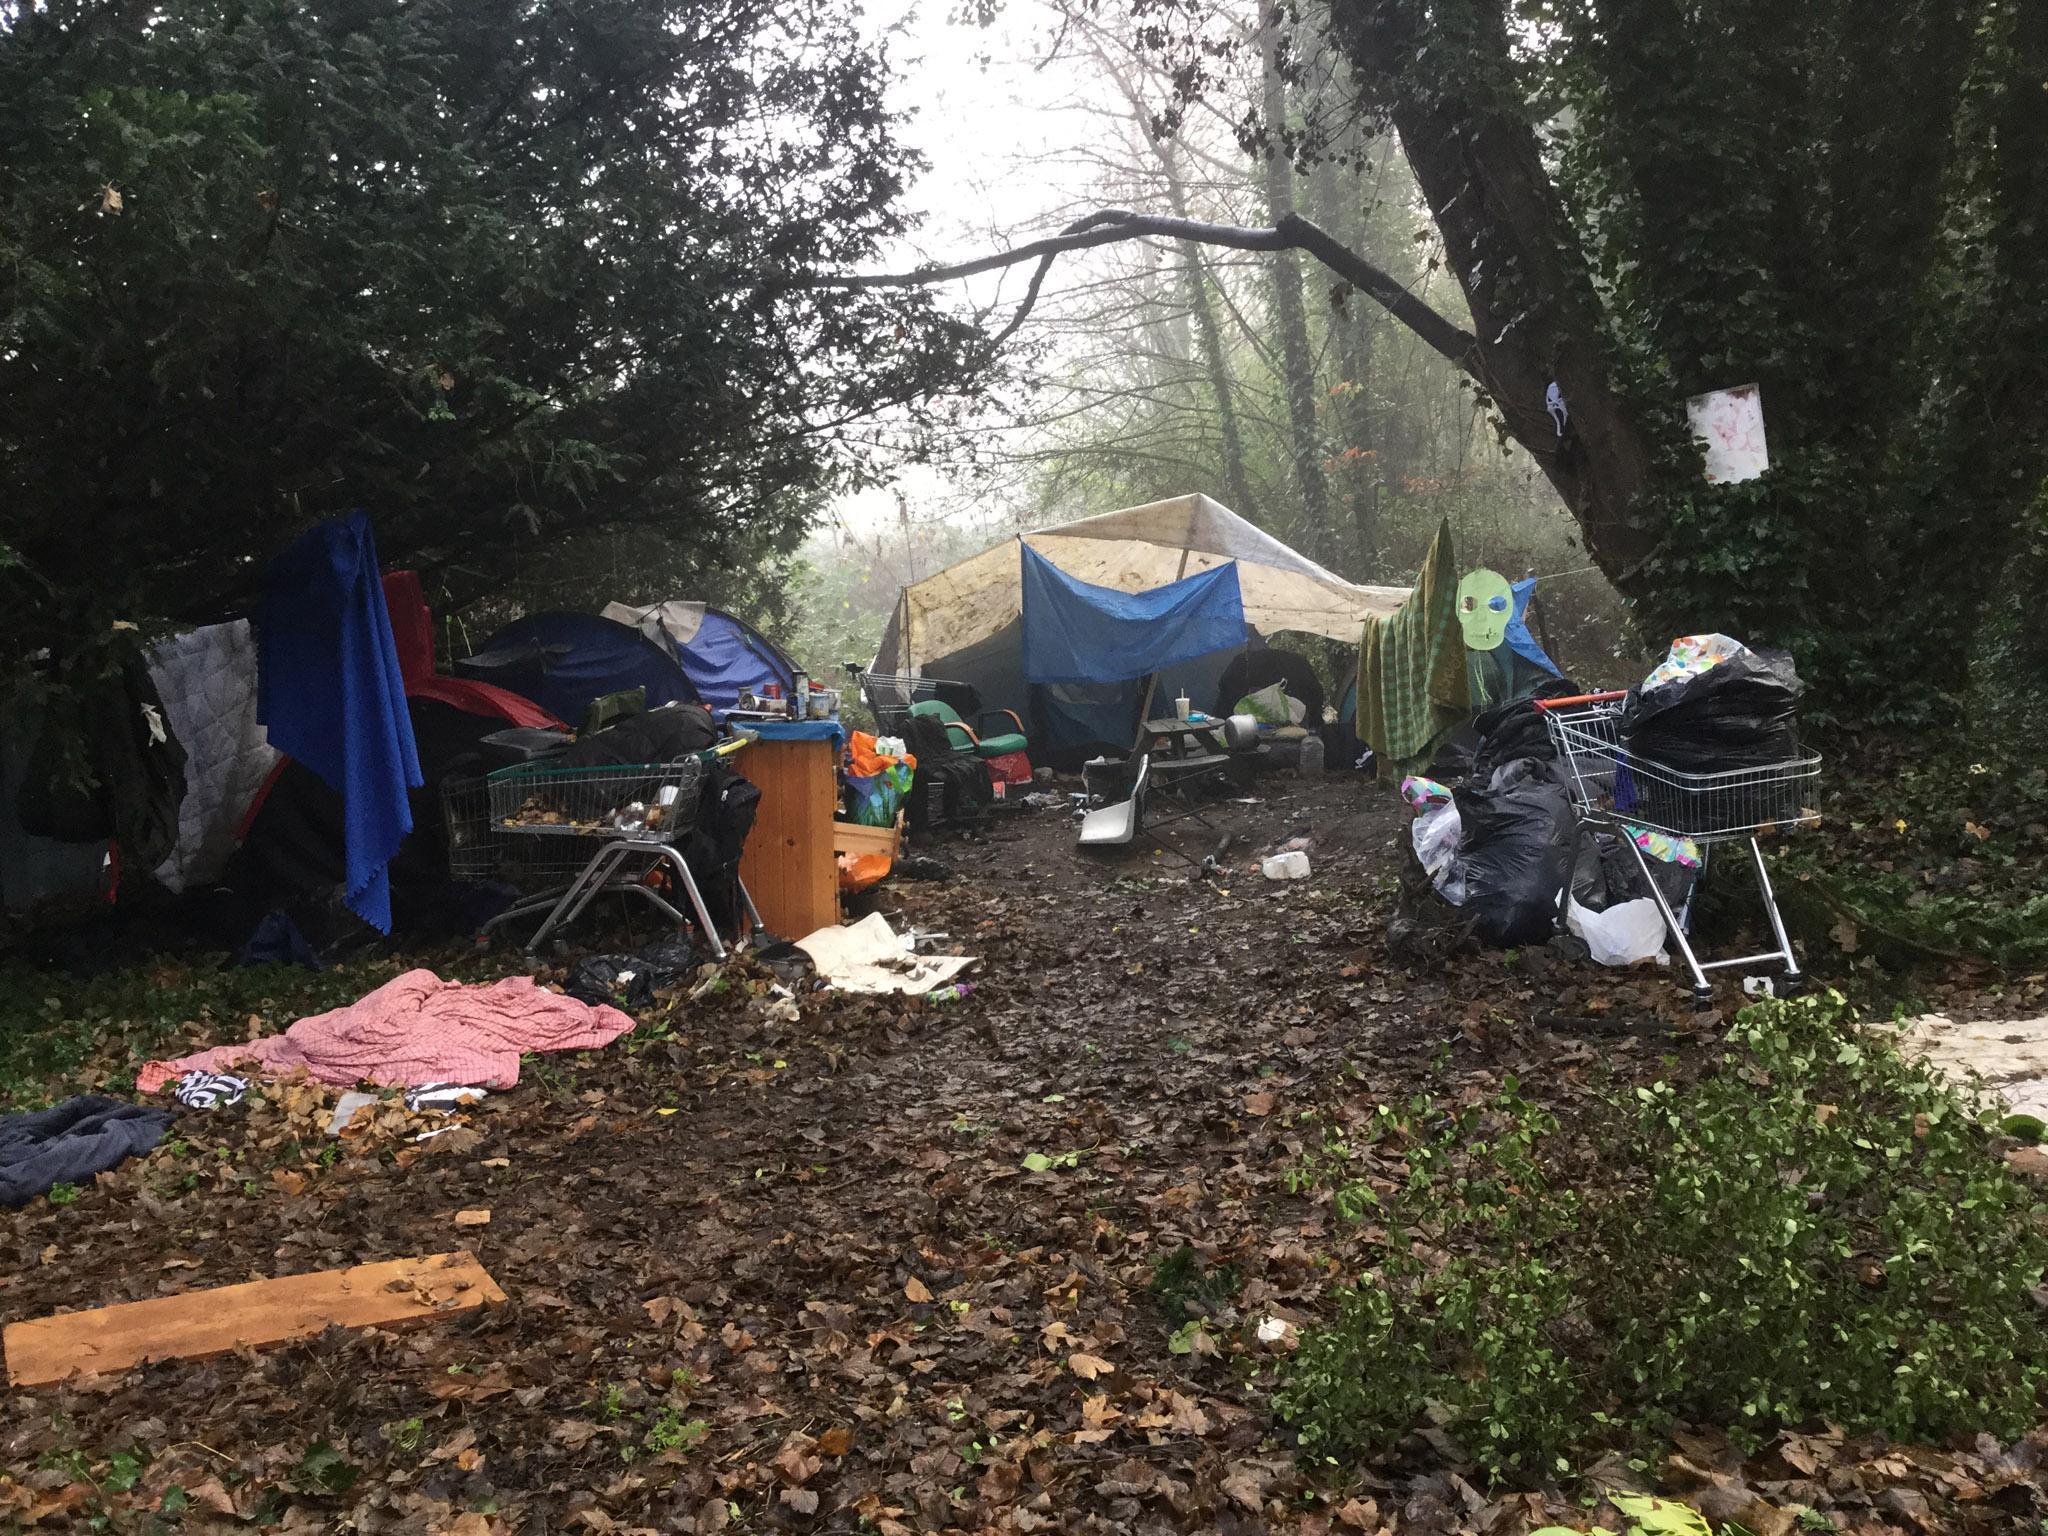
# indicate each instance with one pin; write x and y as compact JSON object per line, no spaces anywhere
{"x":916,"y":1291}
{"x":473,"y":1218}
{"x":1088,"y":1367}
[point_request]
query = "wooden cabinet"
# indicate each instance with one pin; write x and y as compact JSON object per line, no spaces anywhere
{"x":789,"y":866}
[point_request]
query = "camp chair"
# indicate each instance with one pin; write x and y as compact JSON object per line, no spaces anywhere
{"x":969,"y":738}
{"x":1119,"y":823}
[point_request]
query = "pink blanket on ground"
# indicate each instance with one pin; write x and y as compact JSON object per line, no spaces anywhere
{"x":416,"y":1029}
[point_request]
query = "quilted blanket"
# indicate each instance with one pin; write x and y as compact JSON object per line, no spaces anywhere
{"x":416,"y":1029}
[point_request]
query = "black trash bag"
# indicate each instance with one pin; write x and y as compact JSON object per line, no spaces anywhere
{"x":630,"y":981}
{"x":1739,"y":713}
{"x":1514,"y":847}
{"x":1607,"y":875}
{"x":1517,"y":729}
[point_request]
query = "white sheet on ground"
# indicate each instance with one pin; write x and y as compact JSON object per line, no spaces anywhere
{"x":869,"y":956}
{"x":2010,"y":1056}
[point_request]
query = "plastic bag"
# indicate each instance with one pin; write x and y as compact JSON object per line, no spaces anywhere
{"x":1271,"y":705}
{"x":1514,"y":851}
{"x":1435,"y":834}
{"x":1736,"y":711}
{"x":1627,"y":934}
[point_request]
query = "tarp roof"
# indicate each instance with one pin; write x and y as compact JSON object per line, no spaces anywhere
{"x":1133,"y":550}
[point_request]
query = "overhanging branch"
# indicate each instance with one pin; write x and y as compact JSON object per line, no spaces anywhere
{"x":1292,"y":233}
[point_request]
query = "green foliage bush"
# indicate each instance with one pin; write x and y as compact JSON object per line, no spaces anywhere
{"x":1814,"y":1230}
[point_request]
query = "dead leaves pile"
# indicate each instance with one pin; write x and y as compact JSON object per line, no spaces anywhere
{"x":878,"y":1265}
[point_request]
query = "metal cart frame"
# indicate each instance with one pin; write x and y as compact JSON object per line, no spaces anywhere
{"x":1617,"y":789}
{"x":566,"y":836}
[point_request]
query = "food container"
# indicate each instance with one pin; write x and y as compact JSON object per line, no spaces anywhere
{"x":824,"y":703}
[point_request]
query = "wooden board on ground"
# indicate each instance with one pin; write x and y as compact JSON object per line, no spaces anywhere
{"x":198,"y":1323}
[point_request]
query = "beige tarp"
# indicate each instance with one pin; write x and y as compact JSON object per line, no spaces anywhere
{"x":1132,"y":550}
{"x":676,"y":618}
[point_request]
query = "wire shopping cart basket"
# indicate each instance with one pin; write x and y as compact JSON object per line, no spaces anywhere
{"x":889,"y":695}
{"x":1644,"y":800}
{"x":565,"y":836}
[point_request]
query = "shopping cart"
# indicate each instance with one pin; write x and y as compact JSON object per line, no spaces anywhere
{"x":889,"y":695}
{"x":1641,"y":799}
{"x":565,"y":836}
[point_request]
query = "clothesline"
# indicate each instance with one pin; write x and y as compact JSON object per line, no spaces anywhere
{"x":1560,"y":575}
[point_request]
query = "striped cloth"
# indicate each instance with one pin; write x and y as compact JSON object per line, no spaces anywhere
{"x":1412,"y":686}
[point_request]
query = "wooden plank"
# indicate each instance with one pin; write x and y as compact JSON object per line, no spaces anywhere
{"x":199,"y":1323}
{"x":851,"y":837}
{"x":788,"y":864}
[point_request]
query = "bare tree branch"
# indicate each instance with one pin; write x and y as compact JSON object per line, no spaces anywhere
{"x":1292,"y":233}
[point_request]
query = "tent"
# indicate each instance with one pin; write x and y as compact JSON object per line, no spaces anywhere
{"x":966,"y":622}
{"x":679,"y":652}
{"x":562,"y":661}
{"x":720,"y":654}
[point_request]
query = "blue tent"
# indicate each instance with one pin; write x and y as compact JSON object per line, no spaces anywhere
{"x":562,"y":661}
{"x":721,"y":655}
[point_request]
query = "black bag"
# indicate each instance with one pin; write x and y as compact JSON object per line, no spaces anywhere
{"x":950,"y":784}
{"x":1514,"y":847}
{"x":1739,"y":713}
{"x":1517,"y":729}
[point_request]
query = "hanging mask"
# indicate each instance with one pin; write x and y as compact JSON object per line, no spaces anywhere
{"x":1485,"y":604}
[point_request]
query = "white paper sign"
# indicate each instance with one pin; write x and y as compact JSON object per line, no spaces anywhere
{"x":1730,"y":426}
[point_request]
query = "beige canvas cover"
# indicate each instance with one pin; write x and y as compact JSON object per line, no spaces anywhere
{"x":678,"y":619}
{"x":1132,"y":550}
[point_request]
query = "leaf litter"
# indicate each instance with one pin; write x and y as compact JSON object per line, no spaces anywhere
{"x":853,"y":1288}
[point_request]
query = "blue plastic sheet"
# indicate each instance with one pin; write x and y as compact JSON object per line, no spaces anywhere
{"x":1520,"y":641}
{"x":329,"y":692}
{"x":796,"y":730}
{"x":1077,"y":632}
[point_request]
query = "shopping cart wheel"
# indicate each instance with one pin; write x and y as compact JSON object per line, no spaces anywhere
{"x":1702,"y":999}
{"x":1791,"y":984}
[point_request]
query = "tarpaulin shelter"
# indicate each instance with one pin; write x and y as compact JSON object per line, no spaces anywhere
{"x":719,"y":653}
{"x":966,"y":622}
{"x":1078,"y":632}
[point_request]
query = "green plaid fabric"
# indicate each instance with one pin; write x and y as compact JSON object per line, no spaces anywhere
{"x":1412,"y":687}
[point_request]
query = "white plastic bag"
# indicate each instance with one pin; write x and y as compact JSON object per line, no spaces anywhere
{"x":1625,"y":934}
{"x":1435,"y":834}
{"x":1292,"y":865}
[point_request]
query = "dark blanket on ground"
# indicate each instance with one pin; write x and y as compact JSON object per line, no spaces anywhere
{"x":70,"y":1142}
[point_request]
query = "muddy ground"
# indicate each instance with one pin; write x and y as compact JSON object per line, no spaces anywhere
{"x":887,"y":1266}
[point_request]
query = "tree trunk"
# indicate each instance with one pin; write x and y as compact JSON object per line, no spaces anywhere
{"x":1534,"y":311}
{"x":1209,"y":334}
{"x":1359,"y":448}
{"x":1290,"y":316}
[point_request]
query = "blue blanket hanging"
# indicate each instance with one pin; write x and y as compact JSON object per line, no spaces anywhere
{"x":1077,"y":632}
{"x":329,"y":692}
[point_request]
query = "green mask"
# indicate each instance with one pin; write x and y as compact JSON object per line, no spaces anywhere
{"x":1485,"y":604}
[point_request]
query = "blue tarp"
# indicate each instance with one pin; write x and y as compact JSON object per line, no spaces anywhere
{"x":329,"y":692}
{"x":562,"y":661}
{"x":1077,"y":632}
{"x":1519,"y":640}
{"x":725,"y":656}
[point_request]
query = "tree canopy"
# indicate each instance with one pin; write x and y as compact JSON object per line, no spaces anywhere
{"x":1843,"y":202}
{"x":505,"y":273}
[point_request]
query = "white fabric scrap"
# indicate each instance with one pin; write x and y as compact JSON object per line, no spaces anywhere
{"x":870,"y":956}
